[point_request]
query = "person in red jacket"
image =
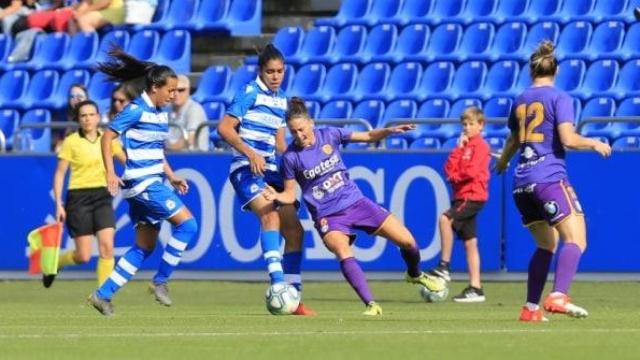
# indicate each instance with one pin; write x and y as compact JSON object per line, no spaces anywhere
{"x":467,"y":168}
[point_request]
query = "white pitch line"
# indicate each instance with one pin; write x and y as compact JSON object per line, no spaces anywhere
{"x":315,"y":333}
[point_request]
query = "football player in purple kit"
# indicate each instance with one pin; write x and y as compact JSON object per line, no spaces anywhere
{"x":336,"y":204}
{"x":542,"y":125}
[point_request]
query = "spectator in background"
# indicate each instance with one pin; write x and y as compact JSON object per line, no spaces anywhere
{"x":120,"y":97}
{"x":94,"y":14}
{"x":77,"y":94}
{"x":139,"y":11}
{"x":188,"y":114}
{"x":56,"y":18}
{"x":15,"y":11}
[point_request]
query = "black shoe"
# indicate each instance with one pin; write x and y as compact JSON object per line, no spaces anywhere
{"x":636,"y":13}
{"x":441,"y":272}
{"x":470,"y":294}
{"x":47,"y":280}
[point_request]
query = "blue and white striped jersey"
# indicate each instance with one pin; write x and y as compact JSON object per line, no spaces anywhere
{"x":143,"y":129}
{"x":261,"y":113}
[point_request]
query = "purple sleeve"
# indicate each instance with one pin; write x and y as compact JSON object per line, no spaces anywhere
{"x":287,"y":166}
{"x":564,"y":110}
{"x":339,"y":135}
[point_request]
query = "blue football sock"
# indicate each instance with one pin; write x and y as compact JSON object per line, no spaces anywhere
{"x":125,"y":268}
{"x":291,"y":265}
{"x":180,"y":238}
{"x":270,"y":241}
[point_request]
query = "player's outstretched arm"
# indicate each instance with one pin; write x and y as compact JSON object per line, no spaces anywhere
{"x":376,"y":135}
{"x":572,"y":140}
{"x":113,"y":181}
{"x":287,"y":196}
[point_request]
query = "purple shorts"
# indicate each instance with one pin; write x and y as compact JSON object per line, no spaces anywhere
{"x":550,"y":202}
{"x":363,"y":215}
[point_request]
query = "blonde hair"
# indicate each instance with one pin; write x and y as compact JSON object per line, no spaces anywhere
{"x":472,"y":112}
{"x":543,"y":61}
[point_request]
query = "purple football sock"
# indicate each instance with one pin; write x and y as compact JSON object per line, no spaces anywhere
{"x":538,"y":271}
{"x":412,"y":259}
{"x":354,"y":275}
{"x":566,"y":267}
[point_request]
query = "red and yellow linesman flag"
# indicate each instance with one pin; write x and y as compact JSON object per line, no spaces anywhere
{"x":44,"y":248}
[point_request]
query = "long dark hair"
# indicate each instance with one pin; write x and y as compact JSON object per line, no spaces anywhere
{"x":123,"y":67}
{"x":296,"y":109}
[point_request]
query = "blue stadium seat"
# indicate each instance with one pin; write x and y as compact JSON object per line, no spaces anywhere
{"x":630,"y":47}
{"x":413,"y":11}
{"x":572,"y":10}
{"x":369,"y":110}
{"x":59,"y":98}
{"x":6,"y":45}
{"x":571,"y":74}
{"x":497,"y":107}
{"x":541,"y":31}
{"x":245,"y":18}
{"x":626,"y":143}
{"x":380,"y":42}
{"x":445,"y":40}
{"x":445,"y":11}
{"x":458,"y":107}
{"x":313,"y":107}
{"x":82,"y":49}
{"x":509,"y":39}
{"x":341,"y":79}
{"x":213,"y":83}
{"x":350,"y":10}
{"x":308,"y":80}
{"x":523,"y":82}
{"x":41,"y":87}
{"x":478,"y":11}
{"x":597,"y":107}
{"x":495,"y":143}
{"x":214,"y":110}
{"x":287,"y":39}
{"x":599,"y":80}
{"x":629,"y":80}
{"x":14,"y":84}
{"x":449,"y":143}
{"x":425,"y":143}
{"x":396,"y":143}
{"x":357,"y":146}
{"x":475,"y":43}
{"x":289,"y":75}
{"x":120,"y":38}
{"x":317,"y":43}
{"x":540,"y":10}
{"x":41,"y":138}
{"x":501,"y":78}
{"x":468,"y":80}
{"x":606,"y":10}
{"x":430,"y":109}
{"x":8,"y":124}
{"x":338,"y":109}
{"x":349,"y":42}
{"x":509,"y":10}
{"x":180,"y":15}
{"x":399,"y":109}
{"x":100,"y":89}
{"x":144,"y":44}
{"x":606,"y":40}
{"x":403,"y":81}
{"x":435,"y":81}
{"x":158,"y":16}
{"x":627,"y":107}
{"x":239,"y":78}
{"x":211,"y":16}
{"x":175,"y":51}
{"x":47,"y":49}
{"x":411,"y":45}
{"x":371,"y":83}
{"x":574,"y":39}
{"x":382,"y":11}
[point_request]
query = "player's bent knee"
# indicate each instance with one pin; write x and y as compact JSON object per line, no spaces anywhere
{"x":189,"y":226}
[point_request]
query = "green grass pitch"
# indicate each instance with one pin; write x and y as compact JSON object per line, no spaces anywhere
{"x":227,"y":320}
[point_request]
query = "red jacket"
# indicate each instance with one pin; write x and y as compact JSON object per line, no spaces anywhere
{"x":467,"y":168}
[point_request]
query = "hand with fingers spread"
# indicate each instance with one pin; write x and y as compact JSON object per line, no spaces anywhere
{"x":403,"y":128}
{"x":601,"y":148}
{"x":180,"y":185}
{"x":258,"y":164}
{"x":269,"y":193}
{"x":114,"y":183}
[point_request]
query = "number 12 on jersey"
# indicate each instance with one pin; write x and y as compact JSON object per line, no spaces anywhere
{"x":527,"y":130}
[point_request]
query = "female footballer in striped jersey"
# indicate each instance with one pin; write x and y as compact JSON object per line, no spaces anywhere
{"x":254,"y":126}
{"x":143,"y":127}
{"x":542,"y":125}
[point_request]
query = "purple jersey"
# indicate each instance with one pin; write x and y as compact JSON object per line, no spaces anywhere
{"x":321,"y":173}
{"x":535,"y":117}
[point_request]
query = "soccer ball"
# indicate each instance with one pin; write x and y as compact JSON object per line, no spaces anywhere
{"x":282,"y":299}
{"x":434,"y":296}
